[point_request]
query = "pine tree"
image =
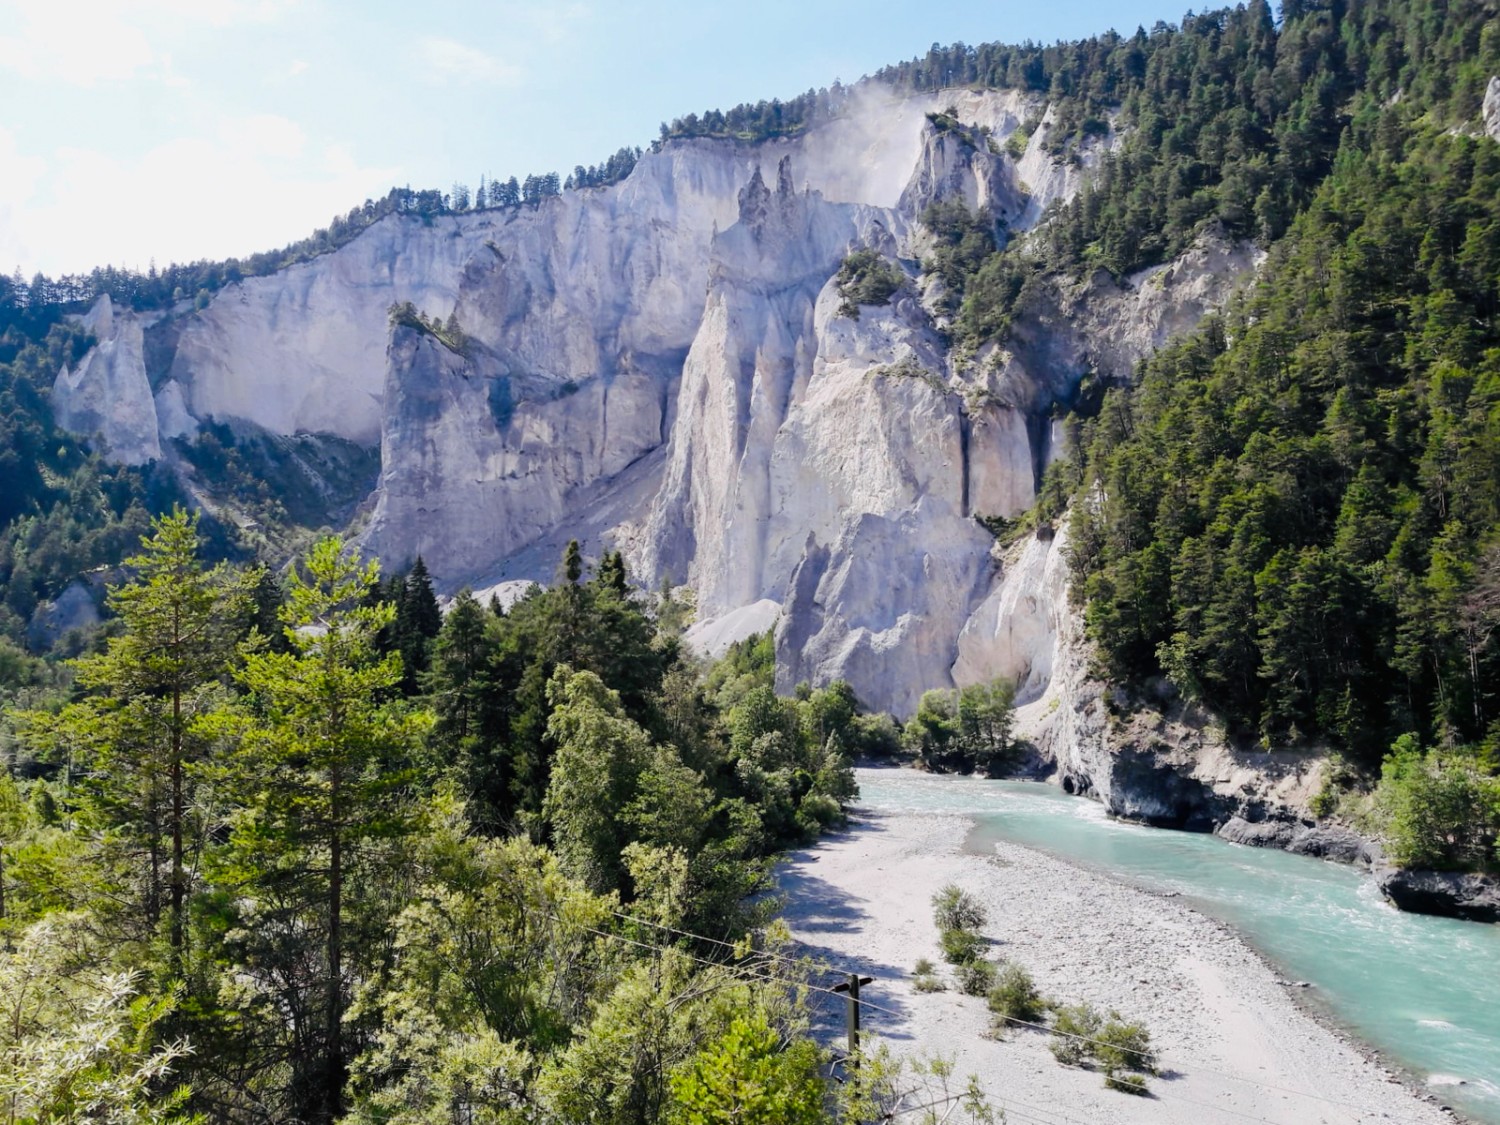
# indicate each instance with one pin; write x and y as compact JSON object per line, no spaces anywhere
{"x":153,"y":686}
{"x":572,"y":565}
{"x":457,"y":684}
{"x":322,"y":770}
{"x":418,"y":621}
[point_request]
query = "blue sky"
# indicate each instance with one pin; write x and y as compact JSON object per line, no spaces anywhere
{"x":180,"y":129}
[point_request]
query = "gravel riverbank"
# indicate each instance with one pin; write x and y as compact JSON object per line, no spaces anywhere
{"x":1233,"y":1043}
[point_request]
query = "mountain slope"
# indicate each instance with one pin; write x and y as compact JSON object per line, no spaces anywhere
{"x":1285,"y":516}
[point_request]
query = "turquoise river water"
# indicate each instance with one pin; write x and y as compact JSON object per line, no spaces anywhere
{"x":1424,"y":991}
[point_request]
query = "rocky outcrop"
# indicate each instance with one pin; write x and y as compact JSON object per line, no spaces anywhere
{"x":478,"y":458}
{"x":1098,"y":326}
{"x":1451,"y":894}
{"x":1491,"y":109}
{"x":1321,"y":841}
{"x":1157,"y":761}
{"x":77,"y":607}
{"x":107,"y":397}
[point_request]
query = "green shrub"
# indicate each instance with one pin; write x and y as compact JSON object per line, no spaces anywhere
{"x":924,"y":977}
{"x":1083,"y":1037}
{"x":961,"y":946}
{"x":1124,"y":1046}
{"x":956,"y":909}
{"x":865,"y":278}
{"x":1437,"y":809}
{"x":975,"y":978}
{"x":823,"y":809}
{"x":1127,"y":1084}
{"x":1014,"y":996}
{"x":1072,"y":1031}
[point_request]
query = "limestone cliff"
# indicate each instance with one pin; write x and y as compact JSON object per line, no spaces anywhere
{"x":666,"y":366}
{"x":107,"y":397}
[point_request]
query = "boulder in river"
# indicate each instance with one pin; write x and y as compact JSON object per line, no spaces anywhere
{"x":1453,"y":894}
{"x":1321,"y":841}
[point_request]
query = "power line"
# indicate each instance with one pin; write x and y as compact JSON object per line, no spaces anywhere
{"x":717,"y":941}
{"x":766,"y":977}
{"x":1058,"y":1115}
{"x":758,"y":975}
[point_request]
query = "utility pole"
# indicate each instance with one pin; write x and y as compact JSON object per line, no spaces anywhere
{"x":851,"y":986}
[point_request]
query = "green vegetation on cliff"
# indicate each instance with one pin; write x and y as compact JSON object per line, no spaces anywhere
{"x":1295,"y":513}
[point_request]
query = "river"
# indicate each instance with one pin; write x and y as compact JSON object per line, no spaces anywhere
{"x":1424,"y":991}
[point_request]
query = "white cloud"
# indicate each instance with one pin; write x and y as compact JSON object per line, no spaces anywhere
{"x":555,"y":23}
{"x":447,"y":60}
{"x":263,"y":134}
{"x":19,"y":176}
{"x":83,"y":42}
{"x":253,"y":183}
{"x":58,"y":41}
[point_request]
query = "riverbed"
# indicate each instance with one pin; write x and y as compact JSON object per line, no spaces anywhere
{"x":1156,"y":924}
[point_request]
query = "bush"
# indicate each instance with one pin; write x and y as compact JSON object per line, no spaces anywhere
{"x":1082,"y":1037}
{"x":866,"y":279}
{"x":1014,"y":997}
{"x":1437,"y":810}
{"x":1127,"y":1084}
{"x":956,"y":909}
{"x":961,"y":946}
{"x":1073,"y":1029}
{"x":924,"y":977}
{"x":823,"y":809}
{"x":975,"y":978}
{"x":1124,"y":1046}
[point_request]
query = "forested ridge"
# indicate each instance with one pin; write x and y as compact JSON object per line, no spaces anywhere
{"x":1292,"y":515}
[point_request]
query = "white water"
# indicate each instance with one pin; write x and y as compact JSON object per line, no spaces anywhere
{"x":1425,"y":991}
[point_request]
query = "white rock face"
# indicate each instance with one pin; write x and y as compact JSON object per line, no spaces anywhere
{"x":477,"y":464}
{"x":1492,"y":108}
{"x":1020,"y":627}
{"x":712,"y":638}
{"x":74,"y":608}
{"x":108,"y":394}
{"x":663,"y":366}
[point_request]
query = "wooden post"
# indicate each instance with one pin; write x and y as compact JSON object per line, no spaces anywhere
{"x":852,"y":988}
{"x":854,"y":1017}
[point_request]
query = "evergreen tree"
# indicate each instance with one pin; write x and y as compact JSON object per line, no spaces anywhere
{"x":322,"y":773}
{"x":418,"y":621}
{"x":153,"y":684}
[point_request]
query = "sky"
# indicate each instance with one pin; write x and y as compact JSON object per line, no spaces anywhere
{"x":173,"y":130}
